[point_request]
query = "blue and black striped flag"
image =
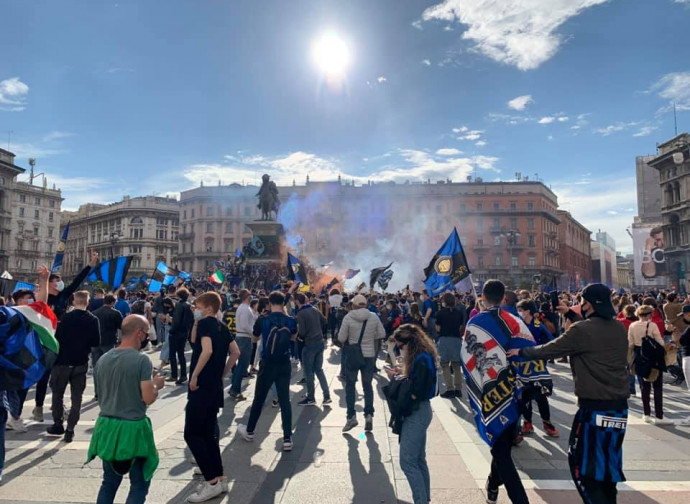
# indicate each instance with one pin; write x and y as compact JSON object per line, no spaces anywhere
{"x":376,"y":274}
{"x":60,"y":252}
{"x":448,"y":266}
{"x":162,"y":275}
{"x":113,"y":271}
{"x":385,"y":278}
{"x":351,"y":273}
{"x":296,"y":270}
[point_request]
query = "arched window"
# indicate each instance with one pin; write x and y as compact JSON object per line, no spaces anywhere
{"x":674,"y":232}
{"x":136,"y":221}
{"x":208,"y":245}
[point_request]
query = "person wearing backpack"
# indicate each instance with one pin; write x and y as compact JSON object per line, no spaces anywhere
{"x":277,"y":332}
{"x":646,"y":343}
{"x":363,"y":332}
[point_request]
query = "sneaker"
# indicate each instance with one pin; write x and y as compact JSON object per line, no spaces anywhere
{"x":647,"y":419}
{"x":16,"y":424}
{"x":350,"y":424}
{"x":491,"y":495}
{"x":69,"y":436}
{"x":246,"y":435}
{"x":368,"y":423}
{"x":550,"y":429}
{"x":171,"y":378}
{"x":206,"y":492}
{"x":327,"y":400}
{"x":37,"y":414}
{"x":275,"y":403}
{"x":287,"y":444}
{"x":527,"y":428}
{"x":307,"y":402}
{"x":181,"y":381}
{"x":224,"y":484}
{"x":448,"y":394}
{"x":458,"y":393}
{"x":55,"y":430}
{"x":663,"y":421}
{"x":237,"y":397}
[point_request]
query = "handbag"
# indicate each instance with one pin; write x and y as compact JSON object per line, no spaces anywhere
{"x":354,"y":358}
{"x":652,"y":355}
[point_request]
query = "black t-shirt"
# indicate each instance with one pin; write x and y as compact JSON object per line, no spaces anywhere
{"x":685,"y":345}
{"x":451,"y":322}
{"x":210,"y":379}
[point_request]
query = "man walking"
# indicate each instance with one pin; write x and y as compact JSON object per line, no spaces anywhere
{"x":310,"y":325}
{"x":110,"y":321}
{"x":598,"y":349}
{"x":123,"y":435}
{"x":244,"y":326}
{"x":77,"y":333}
{"x":182,"y":321}
{"x":364,"y":328}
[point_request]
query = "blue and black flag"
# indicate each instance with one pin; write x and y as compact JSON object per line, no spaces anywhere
{"x":334,"y":281}
{"x":60,"y":253}
{"x":376,"y":274}
{"x":385,"y":278}
{"x":351,"y":273}
{"x":113,"y":271}
{"x":448,"y":267}
{"x":296,"y":270}
{"x":162,"y":275}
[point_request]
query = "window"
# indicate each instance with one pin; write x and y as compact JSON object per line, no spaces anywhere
{"x":480,"y":242}
{"x":530,"y":223}
{"x":497,"y":223}
{"x":530,"y":205}
{"x":497,"y":240}
{"x":228,"y":246}
{"x":513,"y":223}
{"x":22,"y":198}
{"x":209,"y":227}
{"x":209,"y":211}
{"x":192,"y":213}
{"x":34,"y":265}
{"x":439,"y":226}
{"x":209,"y":245}
{"x":50,"y":248}
{"x":228,"y":211}
{"x":21,"y":227}
{"x":161,"y":234}
{"x":247,"y":211}
{"x":21,"y":211}
{"x":479,"y":206}
{"x":50,"y":216}
{"x":532,"y":261}
{"x":497,"y":260}
{"x":480,"y":261}
{"x":184,"y":215}
{"x":530,"y":241}
{"x":514,"y":262}
{"x":496,"y":206}
{"x":35,"y":230}
{"x":34,"y":246}
{"x":37,"y":201}
{"x":228,"y":227}
{"x":37,"y":214}
{"x":20,"y":244}
{"x":51,"y":203}
{"x":513,"y":205}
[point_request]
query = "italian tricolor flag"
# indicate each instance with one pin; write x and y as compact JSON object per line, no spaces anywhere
{"x":217,"y":277}
{"x":44,"y":322}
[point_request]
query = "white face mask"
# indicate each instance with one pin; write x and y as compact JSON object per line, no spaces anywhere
{"x":197,"y":314}
{"x":60,"y":286}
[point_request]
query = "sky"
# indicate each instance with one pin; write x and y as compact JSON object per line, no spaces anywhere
{"x":133,"y":98}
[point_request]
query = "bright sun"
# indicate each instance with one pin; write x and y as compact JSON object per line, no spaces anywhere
{"x":331,"y":54}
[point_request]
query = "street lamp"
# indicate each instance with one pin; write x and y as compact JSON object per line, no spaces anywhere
{"x":113,"y":238}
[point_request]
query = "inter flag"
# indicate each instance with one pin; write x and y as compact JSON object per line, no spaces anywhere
{"x":162,"y":275}
{"x":257,"y":245}
{"x":385,"y":278}
{"x":376,"y":274}
{"x":60,"y":252}
{"x":351,"y":273}
{"x":113,"y":271}
{"x":296,"y":270}
{"x":217,"y":277}
{"x":334,"y":281}
{"x":448,"y":267}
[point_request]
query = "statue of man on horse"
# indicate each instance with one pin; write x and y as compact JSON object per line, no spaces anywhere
{"x":268,"y":198}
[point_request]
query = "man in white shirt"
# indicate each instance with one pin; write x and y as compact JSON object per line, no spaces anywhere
{"x":244,"y":325}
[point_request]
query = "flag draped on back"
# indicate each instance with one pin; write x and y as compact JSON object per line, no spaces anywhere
{"x":296,"y":270}
{"x":376,"y":274}
{"x":351,"y":273}
{"x":28,"y":347}
{"x":60,"y":252}
{"x":448,"y":266}
{"x":385,"y":278}
{"x":491,"y":380}
{"x":162,"y":275}
{"x":113,"y":271}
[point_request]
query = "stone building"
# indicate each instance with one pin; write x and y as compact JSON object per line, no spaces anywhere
{"x":8,"y":173}
{"x":508,"y":229}
{"x":145,"y":227}
{"x":575,"y":258}
{"x":604,"y":269}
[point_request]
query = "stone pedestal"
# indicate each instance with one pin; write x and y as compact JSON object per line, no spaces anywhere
{"x":272,"y":235}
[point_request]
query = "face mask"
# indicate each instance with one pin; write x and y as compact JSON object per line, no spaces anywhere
{"x":145,"y":341}
{"x":60,"y":286}
{"x":197,"y":315}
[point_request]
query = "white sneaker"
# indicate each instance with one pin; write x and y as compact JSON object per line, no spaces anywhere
{"x":206,"y":492}
{"x":224,"y":485}
{"x":647,"y":419}
{"x":287,"y":444}
{"x":16,"y":425}
{"x":242,"y":431}
{"x":663,"y":421}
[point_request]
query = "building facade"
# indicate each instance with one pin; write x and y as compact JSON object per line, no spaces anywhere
{"x":625,"y":275}
{"x":508,"y":229}
{"x":673,"y":165}
{"x":145,"y":227}
{"x":8,"y":174}
{"x":604,"y":269}
{"x":575,"y":257}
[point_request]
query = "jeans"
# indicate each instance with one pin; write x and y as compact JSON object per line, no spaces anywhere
{"x":534,"y":393}
{"x":312,"y":360}
{"x":686,"y":371}
{"x":112,"y":477}
{"x":245,"y":345}
{"x":453,"y":381}
{"x":201,"y":423}
{"x":75,"y":377}
{"x":177,"y":342}
{"x":3,"y":422}
{"x":97,"y":353}
{"x":503,"y":471}
{"x":163,"y":336}
{"x":270,"y":373}
{"x":350,"y":393}
{"x":413,"y":452}
{"x":658,"y":386}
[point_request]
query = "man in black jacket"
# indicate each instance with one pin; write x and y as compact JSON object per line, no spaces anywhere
{"x":110,"y":320}
{"x":182,"y":321}
{"x":77,"y":333}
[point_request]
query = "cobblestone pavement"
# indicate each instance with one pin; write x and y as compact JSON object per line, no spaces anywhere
{"x":327,"y":467}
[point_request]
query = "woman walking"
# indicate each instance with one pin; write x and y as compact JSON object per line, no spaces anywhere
{"x":419,"y":360}
{"x":450,"y":325}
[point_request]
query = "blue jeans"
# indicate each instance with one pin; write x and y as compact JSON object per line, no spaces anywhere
{"x":163,"y":333}
{"x":312,"y":360}
{"x":139,"y":487}
{"x":245,"y":345}
{"x":413,"y":453}
{"x":3,"y":421}
{"x":350,"y":393}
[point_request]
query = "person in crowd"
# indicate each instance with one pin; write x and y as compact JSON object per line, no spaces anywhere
{"x":244,"y":327}
{"x":598,"y":348}
{"x":629,"y":317}
{"x":429,"y":314}
{"x":310,"y":325}
{"x":122,"y":305}
{"x":419,"y":363}
{"x":77,"y":333}
{"x":214,"y":352}
{"x":182,"y":321}
{"x":510,"y":303}
{"x":97,"y":300}
{"x":277,"y":332}
{"x":335,"y":301}
{"x":123,"y":434}
{"x":110,"y":322}
{"x":656,"y":316}
{"x":673,"y":311}
{"x":639,"y":330}
{"x":450,"y":326}
{"x":363,"y":328}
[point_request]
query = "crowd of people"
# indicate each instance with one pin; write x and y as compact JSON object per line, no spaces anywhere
{"x":493,"y":350}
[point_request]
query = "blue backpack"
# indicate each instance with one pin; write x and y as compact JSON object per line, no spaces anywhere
{"x":278,"y":344}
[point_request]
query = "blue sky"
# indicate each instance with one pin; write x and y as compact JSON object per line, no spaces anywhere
{"x":133,"y":97}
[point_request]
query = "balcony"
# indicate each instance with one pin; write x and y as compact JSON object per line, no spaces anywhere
{"x":480,"y":246}
{"x":515,"y":246}
{"x":496,"y":230}
{"x":186,"y":236}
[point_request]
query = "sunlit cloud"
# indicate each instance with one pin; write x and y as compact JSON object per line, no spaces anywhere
{"x":13,"y":94}
{"x":520,"y":102}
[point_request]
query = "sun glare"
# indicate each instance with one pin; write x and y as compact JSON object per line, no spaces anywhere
{"x":331,"y":54}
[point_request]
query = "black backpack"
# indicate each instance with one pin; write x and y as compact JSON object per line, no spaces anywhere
{"x":278,"y":344}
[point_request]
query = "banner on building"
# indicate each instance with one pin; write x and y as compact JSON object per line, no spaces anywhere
{"x":651,"y":267}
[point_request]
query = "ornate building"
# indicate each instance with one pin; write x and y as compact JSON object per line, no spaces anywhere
{"x":145,"y":227}
{"x":575,"y":258}
{"x":8,"y":172}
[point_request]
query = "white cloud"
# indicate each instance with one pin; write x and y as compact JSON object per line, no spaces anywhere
{"x":523,"y":34}
{"x":480,"y":143}
{"x":461,"y":129}
{"x":510,"y":118}
{"x":426,"y":62}
{"x":520,"y":102}
{"x":32,"y":150}
{"x":563,"y":119}
{"x":549,"y":138}
{"x":382,"y":79}
{"x":13,"y":94}
{"x":645,"y":131}
{"x":418,"y":24}
{"x":615,"y":128}
{"x":471,"y":135}
{"x":57,"y":135}
{"x":448,"y":152}
{"x":546,"y":120}
{"x":674,"y":87}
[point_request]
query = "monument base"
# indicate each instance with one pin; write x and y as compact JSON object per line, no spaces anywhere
{"x":271,"y":236}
